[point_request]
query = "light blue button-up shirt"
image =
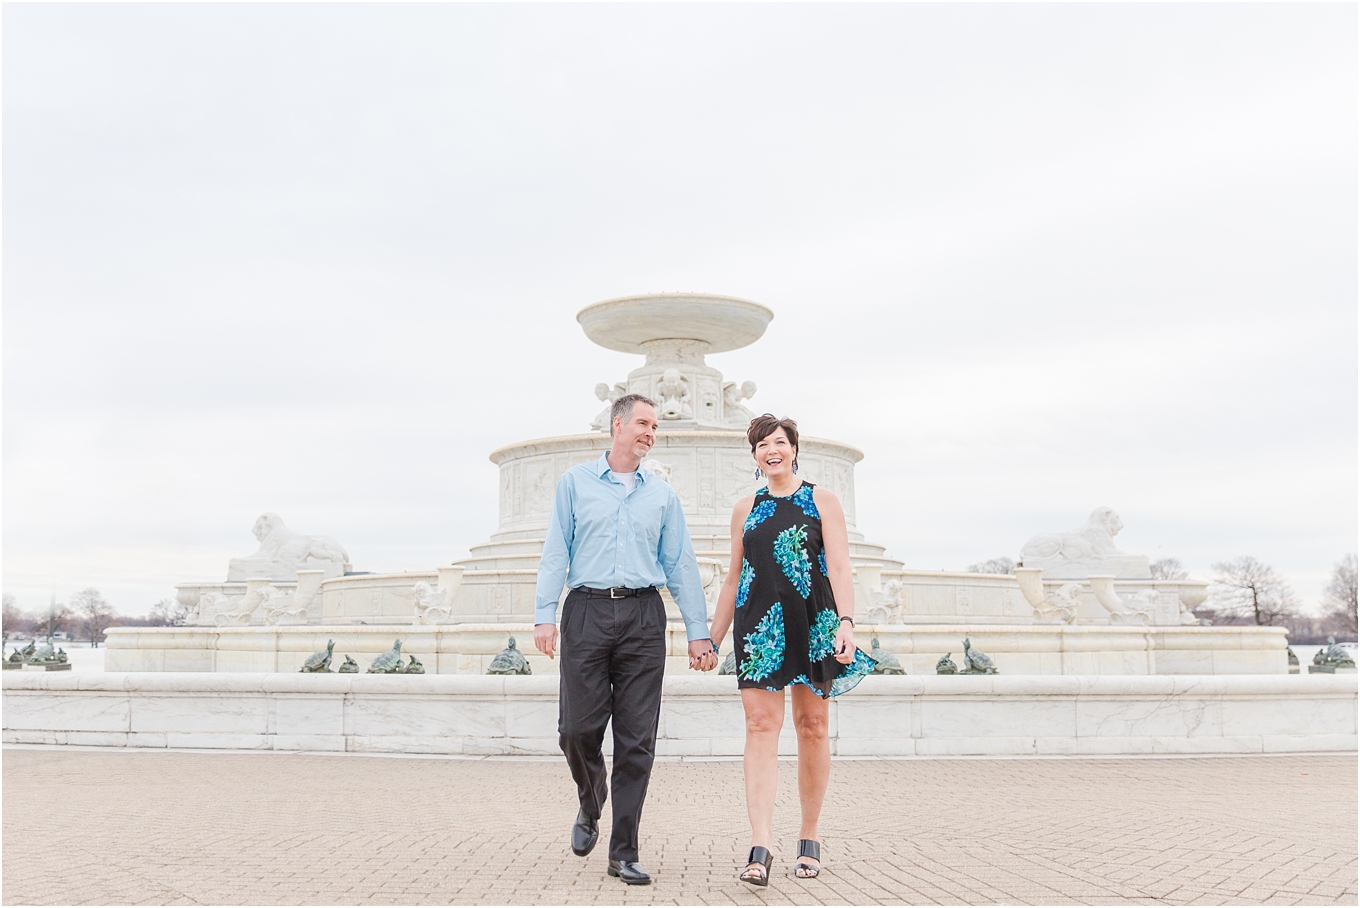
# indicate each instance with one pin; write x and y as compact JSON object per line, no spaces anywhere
{"x":601,"y":535}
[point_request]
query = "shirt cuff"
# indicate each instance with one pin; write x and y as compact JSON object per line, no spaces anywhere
{"x":697,"y":630}
{"x":545,"y":614}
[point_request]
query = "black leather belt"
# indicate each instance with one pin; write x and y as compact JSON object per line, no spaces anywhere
{"x":616,"y":592}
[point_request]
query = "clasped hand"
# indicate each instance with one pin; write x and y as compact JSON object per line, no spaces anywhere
{"x":701,"y":656}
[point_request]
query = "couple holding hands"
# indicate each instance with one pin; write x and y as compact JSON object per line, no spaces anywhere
{"x":615,"y":536}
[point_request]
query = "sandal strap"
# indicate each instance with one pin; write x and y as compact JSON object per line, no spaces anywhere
{"x":807,"y":848}
{"x":760,"y":855}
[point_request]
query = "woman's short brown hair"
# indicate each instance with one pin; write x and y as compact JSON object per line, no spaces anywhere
{"x":765,"y":425}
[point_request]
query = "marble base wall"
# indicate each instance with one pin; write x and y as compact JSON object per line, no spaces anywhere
{"x":469,"y":648}
{"x":700,"y":716}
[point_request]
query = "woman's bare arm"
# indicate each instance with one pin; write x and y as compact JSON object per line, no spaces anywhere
{"x":726,"y":608}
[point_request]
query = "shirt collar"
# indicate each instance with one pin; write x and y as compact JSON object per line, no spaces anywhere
{"x":602,"y":467}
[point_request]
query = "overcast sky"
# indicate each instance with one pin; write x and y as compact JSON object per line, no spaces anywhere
{"x":321,"y":260}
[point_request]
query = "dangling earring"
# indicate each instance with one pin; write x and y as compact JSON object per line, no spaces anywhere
{"x":795,"y":466}
{"x":757,"y":472}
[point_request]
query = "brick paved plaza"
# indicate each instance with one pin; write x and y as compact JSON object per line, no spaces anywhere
{"x":117,"y":827}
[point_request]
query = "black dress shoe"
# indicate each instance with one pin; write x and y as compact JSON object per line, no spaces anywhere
{"x":631,"y":872}
{"x":584,"y":834}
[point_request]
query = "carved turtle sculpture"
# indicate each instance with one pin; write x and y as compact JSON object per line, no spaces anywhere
{"x":389,"y":662}
{"x":946,"y":665}
{"x":729,"y":665}
{"x":61,"y":655}
{"x":349,"y":666}
{"x":976,"y":662}
{"x":319,"y":662}
{"x":27,"y":651}
{"x":16,"y":656}
{"x":413,"y":667}
{"x":887,"y":662}
{"x":1334,"y":655}
{"x":43,"y":653}
{"x":509,"y":661}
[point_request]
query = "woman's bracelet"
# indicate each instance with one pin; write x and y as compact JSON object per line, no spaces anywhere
{"x":715,"y":648}
{"x":848,"y":618}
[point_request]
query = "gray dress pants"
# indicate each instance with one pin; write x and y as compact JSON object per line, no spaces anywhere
{"x":613,"y":657}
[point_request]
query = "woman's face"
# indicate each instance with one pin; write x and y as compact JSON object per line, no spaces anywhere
{"x":775,"y":455}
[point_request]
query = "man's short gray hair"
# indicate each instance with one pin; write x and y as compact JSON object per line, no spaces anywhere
{"x":623,"y":408}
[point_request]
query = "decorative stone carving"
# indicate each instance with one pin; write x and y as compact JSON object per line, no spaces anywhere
{"x":1058,"y":608}
{"x":320,"y":661}
{"x":283,"y":553}
{"x":509,"y":661}
{"x":711,"y":572}
{"x":946,"y":665}
{"x":1189,"y":597}
{"x":1139,"y":609}
{"x":976,"y":662}
{"x":734,"y":414}
{"x":729,"y":664}
{"x":237,"y":612}
{"x":607,"y":394}
{"x":349,"y":667}
{"x":389,"y":663}
{"x":660,"y":469}
{"x":888,"y":606}
{"x":293,"y":608}
{"x":414,"y":667}
{"x":434,"y":605}
{"x":1089,"y":549}
{"x":673,"y":391}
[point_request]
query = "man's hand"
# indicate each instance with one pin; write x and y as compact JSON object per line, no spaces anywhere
{"x":545,"y":638}
{"x":701,"y":655}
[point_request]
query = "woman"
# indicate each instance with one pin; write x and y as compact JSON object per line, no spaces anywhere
{"x":791,"y":594}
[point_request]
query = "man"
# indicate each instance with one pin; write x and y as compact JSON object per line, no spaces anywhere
{"x":616,"y":534}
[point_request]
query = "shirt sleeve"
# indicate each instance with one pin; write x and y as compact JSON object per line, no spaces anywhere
{"x":552,"y":568}
{"x":676,"y":554}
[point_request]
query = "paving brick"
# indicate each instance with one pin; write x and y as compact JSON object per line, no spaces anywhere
{"x":186,"y":828}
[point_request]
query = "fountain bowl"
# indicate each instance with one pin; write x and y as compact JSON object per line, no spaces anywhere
{"x":629,"y":323}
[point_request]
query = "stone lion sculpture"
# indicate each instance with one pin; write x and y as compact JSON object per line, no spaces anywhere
{"x":1085,"y":551}
{"x":1092,"y":539}
{"x":283,"y":551}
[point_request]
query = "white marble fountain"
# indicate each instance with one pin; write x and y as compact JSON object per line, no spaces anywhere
{"x":1076,"y":606}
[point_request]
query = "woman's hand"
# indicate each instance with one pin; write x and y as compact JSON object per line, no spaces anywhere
{"x":845,"y":643}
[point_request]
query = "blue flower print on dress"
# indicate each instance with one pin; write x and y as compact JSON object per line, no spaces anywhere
{"x":759,"y":514}
{"x":821,"y":563}
{"x":822,"y":635}
{"x":803,"y":498}
{"x":765,"y":646}
{"x":804,"y":679}
{"x":853,"y":673}
{"x":793,"y":559}
{"x":748,"y":574}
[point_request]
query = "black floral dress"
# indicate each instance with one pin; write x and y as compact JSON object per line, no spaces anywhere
{"x":786,"y":620}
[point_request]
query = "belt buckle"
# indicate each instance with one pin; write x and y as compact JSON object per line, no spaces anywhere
{"x":618,"y":592}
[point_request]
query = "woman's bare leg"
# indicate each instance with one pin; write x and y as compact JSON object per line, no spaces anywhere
{"x":814,"y":759}
{"x":764,"y":719}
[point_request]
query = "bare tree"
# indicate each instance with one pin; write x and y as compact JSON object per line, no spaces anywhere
{"x":95,"y":611}
{"x":168,"y":613}
{"x":1168,"y":569}
{"x":57,"y":618}
{"x":998,"y":565}
{"x":13,"y":619}
{"x":1247,"y":588}
{"x":1338,"y":599}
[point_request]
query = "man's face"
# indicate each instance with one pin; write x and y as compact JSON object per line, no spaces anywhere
{"x":638,"y":434}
